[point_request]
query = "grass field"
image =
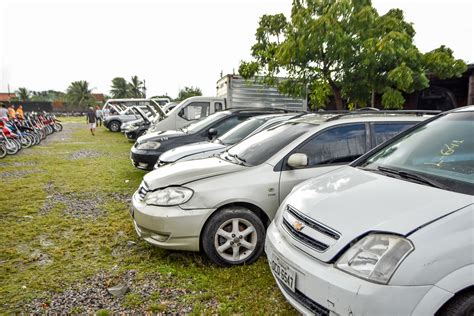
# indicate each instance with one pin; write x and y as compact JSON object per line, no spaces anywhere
{"x":66,"y":236}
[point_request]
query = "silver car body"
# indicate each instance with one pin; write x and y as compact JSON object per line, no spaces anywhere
{"x":208,"y":149}
{"x":217,"y":183}
{"x":352,"y":204}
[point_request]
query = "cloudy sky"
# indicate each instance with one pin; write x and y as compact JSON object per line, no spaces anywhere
{"x":170,"y":43}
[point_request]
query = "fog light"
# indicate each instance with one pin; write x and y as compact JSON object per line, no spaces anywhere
{"x":160,"y":238}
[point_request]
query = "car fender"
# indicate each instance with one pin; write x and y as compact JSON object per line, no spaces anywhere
{"x":444,"y":290}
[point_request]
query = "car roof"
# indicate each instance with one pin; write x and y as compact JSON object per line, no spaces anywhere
{"x":361,"y":116}
{"x":469,"y":108}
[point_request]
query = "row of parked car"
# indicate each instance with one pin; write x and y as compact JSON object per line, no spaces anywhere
{"x":351,"y":209}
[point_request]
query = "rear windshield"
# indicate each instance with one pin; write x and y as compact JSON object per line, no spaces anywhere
{"x":262,"y":146}
{"x":441,"y":151}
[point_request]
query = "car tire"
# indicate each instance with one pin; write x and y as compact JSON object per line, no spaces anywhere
{"x":233,"y":236}
{"x":460,"y":305}
{"x":114,"y":126}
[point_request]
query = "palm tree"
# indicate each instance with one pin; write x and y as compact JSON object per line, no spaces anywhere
{"x":136,"y":87}
{"x":23,"y":94}
{"x":120,"y":88}
{"x":79,"y":94}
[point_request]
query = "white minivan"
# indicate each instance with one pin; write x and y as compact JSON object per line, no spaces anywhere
{"x":390,"y":234}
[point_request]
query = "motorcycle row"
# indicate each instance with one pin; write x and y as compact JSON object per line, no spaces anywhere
{"x":16,"y":134}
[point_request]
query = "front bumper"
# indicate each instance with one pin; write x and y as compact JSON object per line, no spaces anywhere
{"x":144,"y":159}
{"x":322,"y":289}
{"x":168,"y":227}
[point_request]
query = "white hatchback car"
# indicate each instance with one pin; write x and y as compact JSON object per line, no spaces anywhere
{"x":391,"y":234}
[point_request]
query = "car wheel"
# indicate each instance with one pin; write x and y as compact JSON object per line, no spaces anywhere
{"x":460,"y":305}
{"x":233,"y":236}
{"x":114,"y":126}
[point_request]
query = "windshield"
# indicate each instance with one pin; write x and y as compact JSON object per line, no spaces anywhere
{"x":240,"y":131}
{"x":260,"y":147}
{"x":204,"y":122}
{"x":441,"y":151}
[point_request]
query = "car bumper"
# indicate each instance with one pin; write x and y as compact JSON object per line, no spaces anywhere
{"x":131,"y":135}
{"x":143,"y":159}
{"x":322,"y":289}
{"x":168,"y":227}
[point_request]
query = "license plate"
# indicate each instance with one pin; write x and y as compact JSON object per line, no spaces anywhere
{"x":283,"y":272}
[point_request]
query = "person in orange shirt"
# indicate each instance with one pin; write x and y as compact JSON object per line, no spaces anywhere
{"x":19,"y":113}
{"x":11,"y":112}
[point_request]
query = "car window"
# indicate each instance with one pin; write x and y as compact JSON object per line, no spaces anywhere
{"x":258,"y":148}
{"x":205,"y":122}
{"x":218,"y":106}
{"x":195,"y":111}
{"x":385,"y":131}
{"x":441,"y":150}
{"x":240,"y":131}
{"x":340,"y":144}
{"x":225,"y":125}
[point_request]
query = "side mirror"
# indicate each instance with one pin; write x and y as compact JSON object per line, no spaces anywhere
{"x":297,"y":161}
{"x":211,"y":133}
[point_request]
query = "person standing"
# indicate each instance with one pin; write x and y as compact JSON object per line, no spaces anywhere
{"x":91,"y":120}
{"x":19,"y":113}
{"x":98,"y":115}
{"x":11,"y":112}
{"x":3,"y":111}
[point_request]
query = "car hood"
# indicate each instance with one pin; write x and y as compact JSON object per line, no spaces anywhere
{"x":158,"y":136}
{"x":184,"y":172}
{"x":186,"y":150}
{"x":354,"y":202}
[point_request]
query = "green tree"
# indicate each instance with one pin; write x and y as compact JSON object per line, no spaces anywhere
{"x":345,"y":49}
{"x":120,"y":88}
{"x":136,"y":88}
{"x":188,"y":92}
{"x":79,"y":95}
{"x":23,"y":94}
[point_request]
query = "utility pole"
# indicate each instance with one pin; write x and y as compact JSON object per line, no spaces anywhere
{"x":144,"y":89}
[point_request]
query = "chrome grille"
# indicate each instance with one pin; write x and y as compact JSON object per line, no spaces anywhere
{"x":143,"y":190}
{"x":307,"y":231}
{"x":313,"y":224}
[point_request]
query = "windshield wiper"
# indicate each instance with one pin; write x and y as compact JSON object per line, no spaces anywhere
{"x":219,"y":141}
{"x":411,"y":176}
{"x":242,"y":160}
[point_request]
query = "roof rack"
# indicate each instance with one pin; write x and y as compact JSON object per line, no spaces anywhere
{"x":372,"y":111}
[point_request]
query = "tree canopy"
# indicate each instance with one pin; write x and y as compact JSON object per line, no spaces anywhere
{"x":120,"y":88}
{"x":345,"y":49}
{"x":23,"y":94}
{"x":188,"y":92}
{"x":79,"y":94}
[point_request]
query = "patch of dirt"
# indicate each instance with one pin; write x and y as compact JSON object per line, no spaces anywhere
{"x":18,"y":173}
{"x":92,"y":295}
{"x":78,"y":206}
{"x":82,"y":154}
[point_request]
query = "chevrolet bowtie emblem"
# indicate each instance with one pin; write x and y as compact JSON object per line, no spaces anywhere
{"x":298,"y":226}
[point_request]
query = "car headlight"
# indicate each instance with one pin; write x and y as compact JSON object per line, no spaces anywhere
{"x":169,"y":196}
{"x":375,"y":257}
{"x":149,"y":145}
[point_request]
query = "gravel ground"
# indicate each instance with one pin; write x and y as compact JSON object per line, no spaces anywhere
{"x":82,"y":154}
{"x":93,"y":295}
{"x":78,"y":206}
{"x":17,"y":173}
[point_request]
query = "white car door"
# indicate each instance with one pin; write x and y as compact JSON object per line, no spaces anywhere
{"x":327,"y":150}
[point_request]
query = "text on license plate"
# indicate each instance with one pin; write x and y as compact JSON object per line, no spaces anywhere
{"x":283,"y":272}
